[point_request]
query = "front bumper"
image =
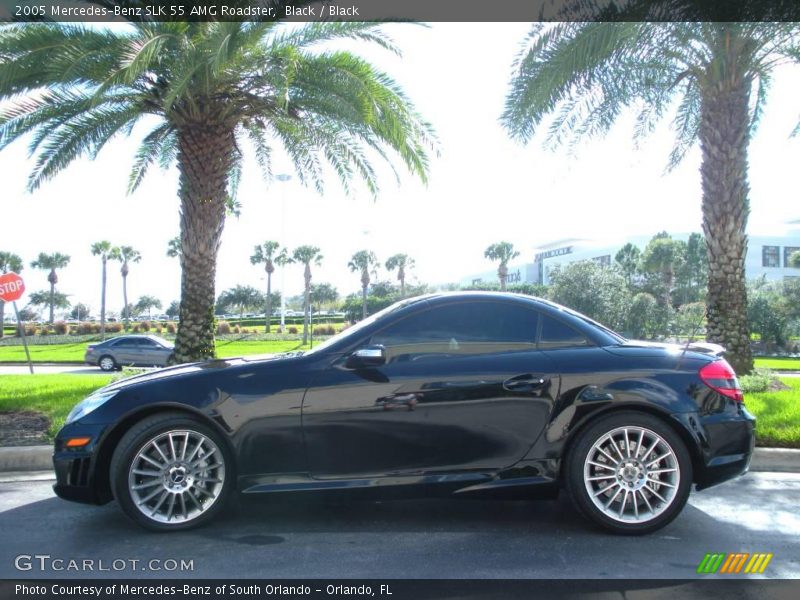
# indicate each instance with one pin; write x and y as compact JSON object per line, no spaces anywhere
{"x":77,"y":472}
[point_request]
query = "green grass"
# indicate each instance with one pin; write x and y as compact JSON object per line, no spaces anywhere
{"x":778,"y":414}
{"x":778,"y":364}
{"x":45,"y":353}
{"x":74,"y":352}
{"x":245,"y":348}
{"x":53,"y":395}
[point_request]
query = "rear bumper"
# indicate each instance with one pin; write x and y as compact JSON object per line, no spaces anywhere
{"x":726,"y":441}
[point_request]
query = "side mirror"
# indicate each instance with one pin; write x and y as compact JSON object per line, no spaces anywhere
{"x":364,"y":358}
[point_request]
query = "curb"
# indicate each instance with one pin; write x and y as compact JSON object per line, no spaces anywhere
{"x":26,"y":458}
{"x":779,"y":460}
{"x":40,"y":458}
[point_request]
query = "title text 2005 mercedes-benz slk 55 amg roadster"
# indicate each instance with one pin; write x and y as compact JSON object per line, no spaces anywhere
{"x":469,"y":394}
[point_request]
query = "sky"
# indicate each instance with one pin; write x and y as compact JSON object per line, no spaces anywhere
{"x":483,"y":187}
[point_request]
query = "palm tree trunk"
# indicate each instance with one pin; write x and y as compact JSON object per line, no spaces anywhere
{"x":52,"y":300}
{"x":502,"y":275}
{"x":363,"y":302}
{"x":103,"y":302}
{"x":268,"y":309}
{"x":669,"y":279}
{"x":204,"y":160}
{"x":306,"y":302}
{"x":125,"y":310}
{"x":724,"y":138}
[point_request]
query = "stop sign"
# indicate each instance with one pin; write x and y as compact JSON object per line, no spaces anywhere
{"x":11,"y":287}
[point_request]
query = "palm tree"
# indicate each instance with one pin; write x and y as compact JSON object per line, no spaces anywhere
{"x":628,"y":259}
{"x":305,"y":255}
{"x":9,"y":262}
{"x":265,"y":253}
{"x":664,"y":256}
{"x":208,"y":87}
{"x":51,"y":262}
{"x":502,"y":252}
{"x":174,"y":247}
{"x":363,"y":262}
{"x":125,"y":255}
{"x":586,"y":74}
{"x":146,"y":304}
{"x":401,"y":262}
{"x":103,"y":250}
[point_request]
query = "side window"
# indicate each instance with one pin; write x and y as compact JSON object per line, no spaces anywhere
{"x":145,"y":343}
{"x":459,"y":329}
{"x":556,"y":334}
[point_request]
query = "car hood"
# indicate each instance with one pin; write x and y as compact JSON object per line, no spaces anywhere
{"x":197,"y":367}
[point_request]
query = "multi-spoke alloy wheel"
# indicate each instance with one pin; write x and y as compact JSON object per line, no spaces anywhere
{"x":107,"y":363}
{"x":629,"y":472}
{"x":170,"y":471}
{"x":177,"y":476}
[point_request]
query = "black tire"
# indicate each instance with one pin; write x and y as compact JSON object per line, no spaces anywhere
{"x":140,"y":436}
{"x":577,"y":471}
{"x":103,"y":363}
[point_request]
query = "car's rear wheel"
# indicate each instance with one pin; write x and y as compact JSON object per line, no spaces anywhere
{"x":171,"y":471}
{"x":107,"y":363}
{"x":630,"y":473}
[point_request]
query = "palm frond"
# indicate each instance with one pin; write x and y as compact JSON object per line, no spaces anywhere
{"x":150,"y":151}
{"x":320,"y":32}
{"x":87,"y":133}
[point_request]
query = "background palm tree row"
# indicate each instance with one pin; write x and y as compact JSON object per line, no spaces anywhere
{"x":125,"y":255}
{"x":55,"y":261}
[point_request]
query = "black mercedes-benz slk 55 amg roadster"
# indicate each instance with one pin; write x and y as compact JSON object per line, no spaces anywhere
{"x":464,"y":394}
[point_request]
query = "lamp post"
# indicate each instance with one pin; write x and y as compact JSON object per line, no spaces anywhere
{"x":283,"y":178}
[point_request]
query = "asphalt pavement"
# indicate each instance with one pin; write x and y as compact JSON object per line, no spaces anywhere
{"x":308,"y":538}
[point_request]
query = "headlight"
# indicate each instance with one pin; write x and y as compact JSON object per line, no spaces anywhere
{"x":88,"y":404}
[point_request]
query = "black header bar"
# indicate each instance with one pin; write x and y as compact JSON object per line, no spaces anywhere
{"x":399,"y":10}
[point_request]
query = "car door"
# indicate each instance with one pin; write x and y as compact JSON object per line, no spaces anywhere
{"x":150,"y":352}
{"x":463,"y":388}
{"x":125,"y":351}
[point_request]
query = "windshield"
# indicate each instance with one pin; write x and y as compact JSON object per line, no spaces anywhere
{"x":358,"y":327}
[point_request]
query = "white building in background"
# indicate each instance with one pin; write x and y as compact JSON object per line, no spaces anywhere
{"x":767,"y":255}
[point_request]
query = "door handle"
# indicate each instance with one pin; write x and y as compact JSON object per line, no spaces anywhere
{"x":523,"y":383}
{"x":407,"y":401}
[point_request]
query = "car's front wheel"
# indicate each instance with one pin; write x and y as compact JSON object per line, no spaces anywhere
{"x":170,"y":471}
{"x":630,"y":473}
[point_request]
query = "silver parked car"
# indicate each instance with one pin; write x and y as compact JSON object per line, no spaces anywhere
{"x":129,"y":350}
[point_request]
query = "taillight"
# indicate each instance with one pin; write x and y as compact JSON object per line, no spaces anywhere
{"x":720,"y":377}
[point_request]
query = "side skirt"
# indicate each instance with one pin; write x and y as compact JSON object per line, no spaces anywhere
{"x":466,"y":485}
